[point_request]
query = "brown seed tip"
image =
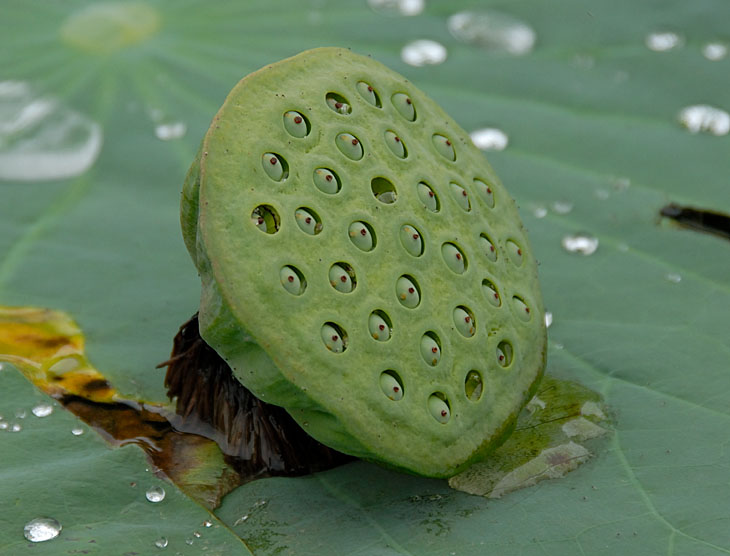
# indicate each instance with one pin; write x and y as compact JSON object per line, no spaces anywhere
{"x":335,"y":338}
{"x":328,"y":177}
{"x":290,"y":278}
{"x":354,"y":141}
{"x":273,"y":160}
{"x":443,"y":413}
{"x":343,"y":278}
{"x":363,"y":232}
{"x":408,"y":101}
{"x":297,"y":119}
{"x":411,"y":290}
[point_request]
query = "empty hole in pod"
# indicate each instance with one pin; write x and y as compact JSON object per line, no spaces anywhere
{"x":411,"y":240}
{"x":392,"y":385}
{"x":368,"y":93}
{"x":275,"y":166}
{"x":395,"y":144}
{"x":438,"y":407}
{"x":443,"y":146}
{"x":488,"y":248}
{"x":486,"y":191}
{"x":338,"y":103}
{"x":464,"y":321}
{"x":362,"y":235}
{"x":521,"y":308}
{"x":384,"y":190}
{"x":427,"y":196}
{"x":326,"y":180}
{"x":334,"y":337}
{"x":514,"y":252}
{"x":296,"y":124}
{"x":454,"y":258}
{"x":473,"y":385}
{"x":504,"y":353}
{"x":308,"y":221}
{"x":431,"y":348}
{"x":460,"y":196}
{"x":293,"y":280}
{"x":342,"y":277}
{"x":408,"y":292}
{"x":265,"y":218}
{"x":349,"y":145}
{"x":490,"y":290}
{"x":404,"y":105}
{"x":380,"y":326}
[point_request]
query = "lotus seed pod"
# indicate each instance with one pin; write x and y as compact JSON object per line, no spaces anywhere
{"x":453,"y":258}
{"x":521,"y":309}
{"x":411,"y":240}
{"x":315,"y":353}
{"x":295,"y":124}
{"x":460,"y":196}
{"x":485,"y":191}
{"x":395,"y":144}
{"x":430,"y":350}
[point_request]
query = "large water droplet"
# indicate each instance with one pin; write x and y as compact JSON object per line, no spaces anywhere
{"x":155,"y":494}
{"x":663,"y":41}
{"x":168,"y":131}
{"x":548,"y":319}
{"x":705,"y":118}
{"x":489,"y":139}
{"x":423,"y":52}
{"x":77,"y":431}
{"x":397,"y":7}
{"x":161,"y":542}
{"x":42,"y":529}
{"x":492,"y":30}
{"x":561,"y":207}
{"x":673,"y":277}
{"x":582,"y":243}
{"x":40,"y":139}
{"x":42,"y":410}
{"x":714,"y":51}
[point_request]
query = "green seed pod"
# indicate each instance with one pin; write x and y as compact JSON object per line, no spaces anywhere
{"x":464,"y":322}
{"x":411,"y":240}
{"x":391,"y":386}
{"x":361,"y":235}
{"x":340,"y":279}
{"x":487,"y":247}
{"x":514,"y":252}
{"x":521,"y":309}
{"x":439,"y":409}
{"x":444,"y":146}
{"x":326,"y":181}
{"x":368,"y":93}
{"x":428,"y":197}
{"x":407,"y":292}
{"x":395,"y":144}
{"x":379,"y":328}
{"x":485,"y":191}
{"x":295,"y":124}
{"x":404,"y":105}
{"x":453,"y":258}
{"x":349,"y":145}
{"x":490,"y":291}
{"x":273,"y":166}
{"x":460,"y":196}
{"x":291,"y":281}
{"x":332,"y":338}
{"x":430,"y":350}
{"x":308,"y":221}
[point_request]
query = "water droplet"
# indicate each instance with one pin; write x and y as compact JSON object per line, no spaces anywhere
{"x":161,"y":542}
{"x":16,"y":427}
{"x":714,"y":51}
{"x":663,"y":41}
{"x":42,"y":410}
{"x":2,"y":367}
{"x":562,"y":207}
{"x":397,"y":7}
{"x":196,"y":534}
{"x":4,"y":425}
{"x":489,"y":139}
{"x":673,"y":277}
{"x":582,"y":243}
{"x":155,"y":494}
{"x":423,"y":52}
{"x":77,"y":431}
{"x":42,"y":529}
{"x":41,"y":139}
{"x":21,"y":413}
{"x":539,"y":211}
{"x":601,"y":194}
{"x":493,"y":30}
{"x":168,"y":131}
{"x":705,"y":118}
{"x":207,"y":523}
{"x":621,"y":184}
{"x":189,"y":541}
{"x":548,"y":319}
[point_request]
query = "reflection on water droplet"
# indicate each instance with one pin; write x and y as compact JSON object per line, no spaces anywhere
{"x":705,"y":118}
{"x":539,"y":211}
{"x":161,"y":542}
{"x":155,"y":494}
{"x":16,"y":427}
{"x":4,"y":425}
{"x":548,"y":319}
{"x":489,"y":139}
{"x":562,"y":207}
{"x":661,"y":42}
{"x":207,"y":523}
{"x":2,"y":367}
{"x":714,"y":51}
{"x":20,"y":413}
{"x":582,"y":243}
{"x":189,"y":541}
{"x":42,"y":529}
{"x":423,"y":52}
{"x":397,"y":7}
{"x":673,"y":277}
{"x":42,"y":410}
{"x":77,"y":431}
{"x":41,"y":139}
{"x":492,"y":30}
{"x":170,"y":130}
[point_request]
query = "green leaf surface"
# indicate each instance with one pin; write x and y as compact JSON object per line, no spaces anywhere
{"x":643,"y":320}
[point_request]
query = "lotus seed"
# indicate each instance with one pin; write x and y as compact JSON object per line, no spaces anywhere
{"x":391,"y":386}
{"x":332,"y":338}
{"x":504,"y":354}
{"x":407,"y":292}
{"x":326,"y":181}
{"x":384,"y":190}
{"x":368,"y":93}
{"x":464,"y":321}
{"x":444,"y":147}
{"x":295,"y":124}
{"x":308,"y":222}
{"x":404,"y":105}
{"x":411,"y":240}
{"x":361,"y":236}
{"x":274,"y":166}
{"x":349,"y":145}
{"x":265,"y":218}
{"x":292,"y":281}
{"x":485,"y":191}
{"x":430,"y":350}
{"x":461,"y":196}
{"x":453,"y":258}
{"x":439,"y":408}
{"x":428,"y":197}
{"x":490,"y":290}
{"x":514,"y":252}
{"x":395,"y":144}
{"x":473,"y":386}
{"x":379,"y":327}
{"x":338,"y":104}
{"x":340,"y":278}
{"x":488,"y":247}
{"x":521,"y":309}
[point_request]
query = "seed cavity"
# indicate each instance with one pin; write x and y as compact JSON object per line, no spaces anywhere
{"x":521,"y":309}
{"x":460,"y":196}
{"x":368,"y":93}
{"x":485,"y":191}
{"x":514,"y":252}
{"x":443,"y":146}
{"x":296,"y":124}
{"x":464,"y":321}
{"x":404,"y":105}
{"x":406,"y":288}
{"x":411,"y":240}
{"x":439,"y":408}
{"x":490,"y":290}
{"x":338,"y":103}
{"x":427,"y":196}
{"x":392,"y":385}
{"x":292,"y":280}
{"x":349,"y":145}
{"x":380,"y":326}
{"x":487,"y":247}
{"x":395,"y":144}
{"x":334,"y":337}
{"x":454,"y":258}
{"x":362,"y":235}
{"x":308,"y":221}
{"x":431,"y":348}
{"x":275,"y":166}
{"x":504,"y":354}
{"x":342,"y":277}
{"x":473,"y":386}
{"x":384,"y":190}
{"x":265,"y":218}
{"x":326,"y":181}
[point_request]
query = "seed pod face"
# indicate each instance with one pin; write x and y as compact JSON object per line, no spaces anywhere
{"x":311,"y":348}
